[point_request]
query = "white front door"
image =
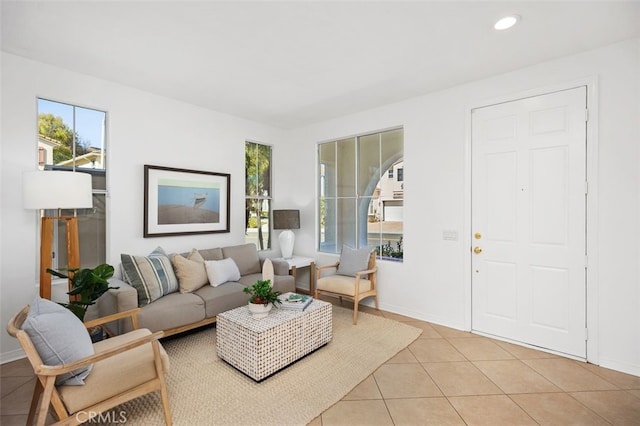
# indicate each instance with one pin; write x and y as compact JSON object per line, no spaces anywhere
{"x":529,"y":220}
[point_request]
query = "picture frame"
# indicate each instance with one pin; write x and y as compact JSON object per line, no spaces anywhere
{"x":183,"y":202}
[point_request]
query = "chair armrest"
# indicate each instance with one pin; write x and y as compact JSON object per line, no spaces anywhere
{"x":132,"y":313}
{"x":319,"y":269}
{"x":367,"y":272}
{"x":56,"y":370}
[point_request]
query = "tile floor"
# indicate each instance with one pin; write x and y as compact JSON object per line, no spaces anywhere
{"x":447,"y":377}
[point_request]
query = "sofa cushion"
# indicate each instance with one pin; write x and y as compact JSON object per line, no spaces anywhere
{"x":245,"y":256}
{"x":211,"y":254}
{"x":221,"y":271}
{"x":281,"y":283}
{"x":222,"y":298}
{"x":173,"y":310}
{"x":190,"y":271}
{"x":353,"y":260}
{"x":152,"y":276}
{"x":59,"y":337}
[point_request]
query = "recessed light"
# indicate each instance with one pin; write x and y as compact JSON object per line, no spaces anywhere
{"x":506,"y":22}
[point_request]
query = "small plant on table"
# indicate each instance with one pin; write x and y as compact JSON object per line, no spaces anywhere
{"x":262,"y":293}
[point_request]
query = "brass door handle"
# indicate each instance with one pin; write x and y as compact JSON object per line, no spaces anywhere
{"x":477,"y":250}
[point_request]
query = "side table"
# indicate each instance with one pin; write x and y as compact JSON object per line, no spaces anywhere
{"x":296,"y":262}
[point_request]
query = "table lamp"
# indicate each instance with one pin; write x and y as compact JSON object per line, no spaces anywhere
{"x":44,"y":190}
{"x":287,"y":220}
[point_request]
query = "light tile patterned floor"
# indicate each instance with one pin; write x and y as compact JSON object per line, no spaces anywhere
{"x":447,"y":377}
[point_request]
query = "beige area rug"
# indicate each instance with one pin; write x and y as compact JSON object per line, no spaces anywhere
{"x":204,"y":390}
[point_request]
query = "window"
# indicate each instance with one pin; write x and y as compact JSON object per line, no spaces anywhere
{"x":361,"y":204}
{"x":257,"y":160}
{"x":74,"y":138}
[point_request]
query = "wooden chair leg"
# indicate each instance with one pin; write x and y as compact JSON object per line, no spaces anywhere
{"x":163,"y":384}
{"x":165,"y":404}
{"x":37,"y":392}
{"x":46,"y":400}
{"x":355,"y":312}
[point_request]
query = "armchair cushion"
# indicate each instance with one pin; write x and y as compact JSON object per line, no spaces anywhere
{"x":59,"y":337}
{"x":152,"y":276}
{"x":342,"y":284}
{"x":353,"y":260}
{"x":132,"y":368}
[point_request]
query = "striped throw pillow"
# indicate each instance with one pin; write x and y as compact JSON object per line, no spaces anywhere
{"x":152,"y":276}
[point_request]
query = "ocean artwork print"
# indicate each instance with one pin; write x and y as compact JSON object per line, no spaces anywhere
{"x":186,"y":201}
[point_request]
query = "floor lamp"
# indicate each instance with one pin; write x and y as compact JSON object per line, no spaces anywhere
{"x":287,"y":220}
{"x":56,"y":190}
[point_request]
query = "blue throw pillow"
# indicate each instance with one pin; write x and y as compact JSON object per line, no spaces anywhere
{"x":59,"y":337}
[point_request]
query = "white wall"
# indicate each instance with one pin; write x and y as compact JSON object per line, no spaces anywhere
{"x":433,"y":282}
{"x":143,"y":129}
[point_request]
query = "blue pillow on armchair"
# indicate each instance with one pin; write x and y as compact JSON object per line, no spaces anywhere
{"x":59,"y":337}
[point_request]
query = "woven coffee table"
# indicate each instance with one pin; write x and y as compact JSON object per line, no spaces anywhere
{"x":261,"y":347}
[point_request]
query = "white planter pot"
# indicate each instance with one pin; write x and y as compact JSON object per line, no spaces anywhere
{"x":259,"y":310}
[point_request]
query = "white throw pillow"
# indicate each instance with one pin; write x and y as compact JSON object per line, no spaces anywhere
{"x":221,"y":271}
{"x":59,"y":337}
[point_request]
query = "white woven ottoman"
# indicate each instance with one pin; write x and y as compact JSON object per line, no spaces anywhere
{"x":260,"y":347}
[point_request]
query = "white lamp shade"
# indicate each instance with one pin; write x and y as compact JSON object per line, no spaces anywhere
{"x":56,"y":190}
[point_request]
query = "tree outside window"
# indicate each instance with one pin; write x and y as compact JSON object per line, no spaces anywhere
{"x":258,"y":194}
{"x":74,"y":138}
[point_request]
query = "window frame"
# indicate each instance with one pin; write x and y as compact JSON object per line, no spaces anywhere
{"x":94,"y":248}
{"x":265,"y":199}
{"x":366,"y":189}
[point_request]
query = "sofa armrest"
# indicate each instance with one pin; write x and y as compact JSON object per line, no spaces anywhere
{"x":280,"y":267}
{"x":116,"y":300}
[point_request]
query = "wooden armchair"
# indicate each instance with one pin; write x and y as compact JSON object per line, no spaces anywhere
{"x":355,"y":288}
{"x":124,"y":367}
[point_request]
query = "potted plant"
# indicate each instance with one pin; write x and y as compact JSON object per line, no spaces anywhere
{"x":87,"y":285}
{"x":262,"y":298}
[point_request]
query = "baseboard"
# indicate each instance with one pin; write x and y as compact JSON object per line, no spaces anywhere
{"x":623,"y":367}
{"x":12,"y":356}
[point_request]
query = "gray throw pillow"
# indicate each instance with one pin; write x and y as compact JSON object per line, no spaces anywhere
{"x":59,"y":337}
{"x":353,"y":260}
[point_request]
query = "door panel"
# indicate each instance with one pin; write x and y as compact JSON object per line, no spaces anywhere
{"x":501,"y":298}
{"x":529,"y":209}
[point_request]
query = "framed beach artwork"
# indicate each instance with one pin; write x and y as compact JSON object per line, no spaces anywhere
{"x":182,"y":202}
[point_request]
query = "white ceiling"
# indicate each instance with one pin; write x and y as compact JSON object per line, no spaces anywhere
{"x":293,"y":63}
